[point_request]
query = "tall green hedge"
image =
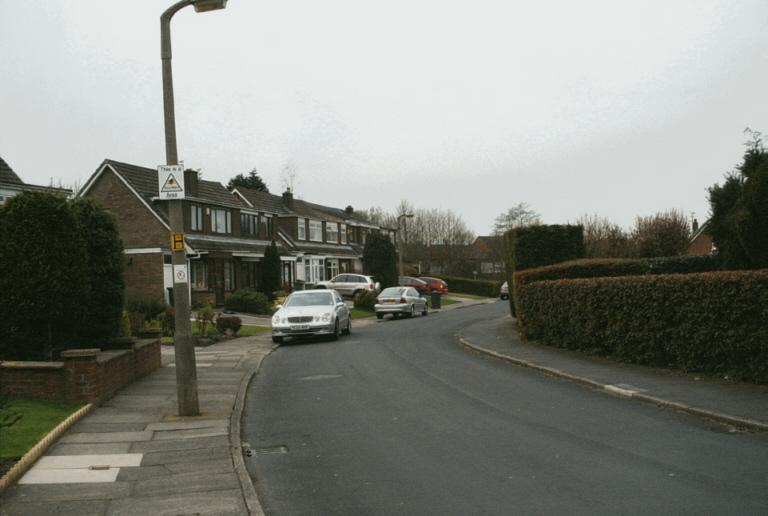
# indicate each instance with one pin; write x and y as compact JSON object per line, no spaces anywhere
{"x":536,"y":246}
{"x":713,"y":322}
{"x":379,"y":259}
{"x":488,"y":288}
{"x":271,"y":271}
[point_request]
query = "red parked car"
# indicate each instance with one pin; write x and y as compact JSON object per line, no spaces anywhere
{"x":420,"y":285}
{"x":435,"y":284}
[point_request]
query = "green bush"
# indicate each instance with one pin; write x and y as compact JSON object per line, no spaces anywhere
{"x":44,"y":277}
{"x":168,"y":321}
{"x":379,"y":259}
{"x":487,"y":288}
{"x":149,"y":307}
{"x":271,"y":271}
{"x":713,"y":322}
{"x":535,"y":246}
{"x":225,"y":322}
{"x":205,"y":319}
{"x":365,"y":299}
{"x":247,"y":300}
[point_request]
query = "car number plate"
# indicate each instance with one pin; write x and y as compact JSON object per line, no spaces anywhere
{"x":389,"y":302}
{"x":300,"y":327}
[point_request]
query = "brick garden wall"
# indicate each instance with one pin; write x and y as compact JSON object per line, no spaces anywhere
{"x":83,"y":375}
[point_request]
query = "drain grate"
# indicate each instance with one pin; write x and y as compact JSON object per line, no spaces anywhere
{"x":266,"y":450}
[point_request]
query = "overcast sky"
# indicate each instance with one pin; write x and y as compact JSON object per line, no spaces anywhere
{"x":620,"y":108}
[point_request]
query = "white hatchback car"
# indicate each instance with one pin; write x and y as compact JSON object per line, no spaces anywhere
{"x":350,"y":284}
{"x":400,"y":301}
{"x":311,"y":312}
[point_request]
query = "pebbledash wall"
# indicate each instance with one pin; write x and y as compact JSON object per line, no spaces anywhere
{"x":82,"y":375}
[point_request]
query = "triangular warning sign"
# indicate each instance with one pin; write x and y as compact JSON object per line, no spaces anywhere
{"x":171,"y":185}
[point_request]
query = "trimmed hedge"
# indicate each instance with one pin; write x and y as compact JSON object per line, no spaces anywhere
{"x":613,"y":267}
{"x":535,"y":246}
{"x":247,"y":300}
{"x":487,"y":288}
{"x":714,"y":322}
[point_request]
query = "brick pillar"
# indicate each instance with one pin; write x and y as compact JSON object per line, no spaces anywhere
{"x":84,"y":374}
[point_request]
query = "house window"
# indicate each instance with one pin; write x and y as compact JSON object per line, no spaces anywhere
{"x":196,"y":217}
{"x":264,"y":231}
{"x":248,"y":224}
{"x":314,"y":269}
{"x":270,"y":227}
{"x":221,"y":221}
{"x":333,"y":268}
{"x":343,"y":233}
{"x":198,"y":275}
{"x":332,"y":232}
{"x":302,"y":230}
{"x":315,"y":231}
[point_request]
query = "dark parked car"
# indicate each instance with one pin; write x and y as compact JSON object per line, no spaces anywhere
{"x":435,"y":284}
{"x":408,"y":281}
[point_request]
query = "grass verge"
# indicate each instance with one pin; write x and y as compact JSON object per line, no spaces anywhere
{"x":37,"y":419}
{"x":249,"y":330}
{"x":467,"y":296}
{"x":360,"y":313}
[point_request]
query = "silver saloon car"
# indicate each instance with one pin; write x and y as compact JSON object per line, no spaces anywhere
{"x":311,"y":312}
{"x":400,"y":301}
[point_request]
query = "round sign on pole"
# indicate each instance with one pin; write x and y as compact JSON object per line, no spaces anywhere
{"x":179,"y":273}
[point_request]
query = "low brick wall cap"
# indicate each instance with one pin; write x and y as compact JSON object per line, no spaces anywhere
{"x":74,"y":353}
{"x":21,"y":364}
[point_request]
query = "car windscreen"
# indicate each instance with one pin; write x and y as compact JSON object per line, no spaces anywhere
{"x":392,"y":291}
{"x":310,"y":299}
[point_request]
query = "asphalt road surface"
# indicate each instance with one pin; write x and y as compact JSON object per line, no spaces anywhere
{"x":399,"y":419}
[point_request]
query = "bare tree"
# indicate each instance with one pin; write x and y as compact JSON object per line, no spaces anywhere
{"x":666,"y":233}
{"x":289,"y":176}
{"x":519,"y":215}
{"x":603,"y":238}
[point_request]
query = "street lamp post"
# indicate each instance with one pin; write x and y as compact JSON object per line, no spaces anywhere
{"x":402,"y":237}
{"x":186,"y":369}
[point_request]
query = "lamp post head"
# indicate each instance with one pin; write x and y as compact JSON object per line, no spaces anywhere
{"x":203,"y":6}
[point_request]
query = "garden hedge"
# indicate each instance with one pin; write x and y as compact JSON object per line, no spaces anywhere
{"x":613,"y":267}
{"x":714,"y":322}
{"x":535,"y":246}
{"x":487,"y":288}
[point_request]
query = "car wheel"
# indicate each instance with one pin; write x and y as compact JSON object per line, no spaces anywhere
{"x":413,"y":311}
{"x":348,"y":330}
{"x":277,"y":340}
{"x":335,"y":334}
{"x":425,"y":311}
{"x":379,"y":316}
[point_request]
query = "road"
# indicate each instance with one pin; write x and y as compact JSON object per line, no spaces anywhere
{"x":399,"y":419}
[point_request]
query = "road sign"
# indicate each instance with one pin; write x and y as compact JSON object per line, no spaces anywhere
{"x":171,"y":181}
{"x":177,"y":241}
{"x":180,"y":273}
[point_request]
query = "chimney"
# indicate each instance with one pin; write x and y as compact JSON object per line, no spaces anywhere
{"x":349,"y":210}
{"x":191,"y":178}
{"x":288,"y":197}
{"x":695,"y":225}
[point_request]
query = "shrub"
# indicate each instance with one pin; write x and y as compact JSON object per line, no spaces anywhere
{"x":712,"y":322}
{"x":271,"y":271}
{"x":247,"y":300}
{"x":148,"y":307}
{"x":168,"y":321}
{"x":205,"y":319}
{"x":44,"y":281}
{"x":487,"y":288}
{"x":534,"y":246}
{"x":125,"y":325}
{"x":225,"y":322}
{"x":379,"y":259}
{"x":365,"y":299}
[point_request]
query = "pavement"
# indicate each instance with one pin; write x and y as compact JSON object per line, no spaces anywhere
{"x":134,"y":456}
{"x":740,"y":405}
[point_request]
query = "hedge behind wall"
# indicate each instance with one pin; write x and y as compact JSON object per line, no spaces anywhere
{"x":713,"y":322}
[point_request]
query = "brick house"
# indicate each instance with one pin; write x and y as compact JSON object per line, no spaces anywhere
{"x":487,"y":254}
{"x":701,"y":242}
{"x":11,"y":184}
{"x":323,"y":241}
{"x":226,"y":234}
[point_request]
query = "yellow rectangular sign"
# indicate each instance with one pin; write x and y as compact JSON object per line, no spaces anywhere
{"x":177,"y":241}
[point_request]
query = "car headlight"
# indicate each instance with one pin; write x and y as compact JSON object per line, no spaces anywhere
{"x":276,"y":319}
{"x":326,"y":317}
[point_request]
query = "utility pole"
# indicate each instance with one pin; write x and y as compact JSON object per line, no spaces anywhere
{"x":184,"y":351}
{"x":400,"y":237}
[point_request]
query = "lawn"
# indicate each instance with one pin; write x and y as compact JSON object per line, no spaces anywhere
{"x":246,"y":330}
{"x":360,"y":313}
{"x":467,"y":296}
{"x":38,"y":418}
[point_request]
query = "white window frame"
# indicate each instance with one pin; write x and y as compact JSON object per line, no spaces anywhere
{"x":315,"y":230}
{"x":217,"y":222}
{"x":343,"y":233}
{"x":198,"y":275}
{"x":195,"y":217}
{"x":332,"y":232}
{"x":302,"y":234}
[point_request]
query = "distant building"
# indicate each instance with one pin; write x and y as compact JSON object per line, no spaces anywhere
{"x":11,"y":184}
{"x":701,"y":241}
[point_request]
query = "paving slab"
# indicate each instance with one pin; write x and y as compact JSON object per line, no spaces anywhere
{"x":84,"y":461}
{"x":63,"y":508}
{"x":89,"y":449}
{"x":68,"y":476}
{"x":190,"y":433}
{"x":89,"y":427}
{"x":193,"y":443}
{"x":218,"y":503}
{"x":170,"y":457}
{"x":60,"y":492}
{"x":183,"y":425}
{"x":107,"y":437}
{"x":210,"y":466}
{"x":113,"y":415}
{"x":187,"y":483}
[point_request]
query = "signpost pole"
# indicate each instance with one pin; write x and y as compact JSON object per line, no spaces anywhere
{"x":186,"y":368}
